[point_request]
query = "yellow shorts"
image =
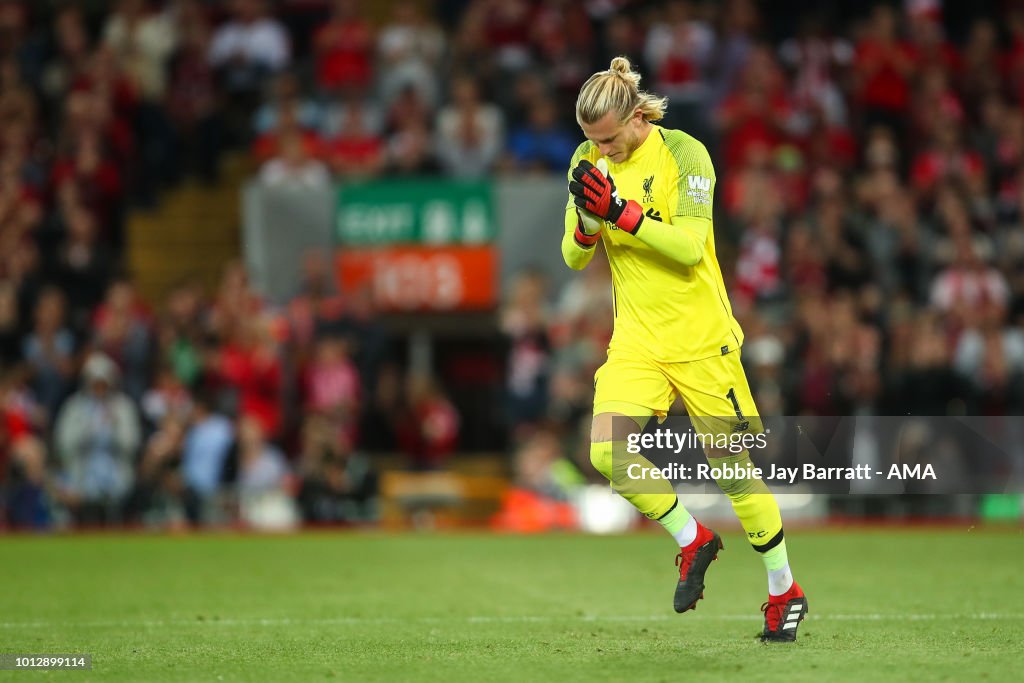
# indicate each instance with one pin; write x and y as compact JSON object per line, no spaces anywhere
{"x":714,"y":391}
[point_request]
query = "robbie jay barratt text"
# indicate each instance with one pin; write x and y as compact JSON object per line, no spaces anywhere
{"x":789,"y":475}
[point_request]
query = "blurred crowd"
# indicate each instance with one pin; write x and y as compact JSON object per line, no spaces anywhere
{"x":868,"y":222}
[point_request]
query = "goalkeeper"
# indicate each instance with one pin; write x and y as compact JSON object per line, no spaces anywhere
{"x":645,"y":193}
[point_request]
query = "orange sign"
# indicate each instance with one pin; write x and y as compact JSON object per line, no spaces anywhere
{"x":417,"y":278}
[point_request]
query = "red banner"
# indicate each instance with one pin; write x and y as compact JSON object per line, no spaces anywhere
{"x":415,"y":278}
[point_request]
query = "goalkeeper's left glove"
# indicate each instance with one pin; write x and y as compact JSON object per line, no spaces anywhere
{"x":588,"y":228}
{"x":595,"y":191}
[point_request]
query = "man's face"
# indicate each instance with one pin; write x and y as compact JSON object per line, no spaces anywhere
{"x":100,"y":388}
{"x":613,"y":139}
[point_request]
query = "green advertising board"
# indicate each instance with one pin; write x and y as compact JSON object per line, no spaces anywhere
{"x":427,"y":212}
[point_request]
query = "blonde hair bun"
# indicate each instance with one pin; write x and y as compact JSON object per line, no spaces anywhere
{"x":617,"y":90}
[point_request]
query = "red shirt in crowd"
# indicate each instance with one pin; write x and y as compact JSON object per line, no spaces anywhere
{"x":932,"y":166}
{"x":884,"y":69}
{"x":256,"y":375}
{"x":755,"y":121}
{"x":268,"y":145}
{"x":344,"y":54}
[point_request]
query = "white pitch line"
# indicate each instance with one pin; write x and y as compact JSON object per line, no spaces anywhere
{"x":588,"y":618}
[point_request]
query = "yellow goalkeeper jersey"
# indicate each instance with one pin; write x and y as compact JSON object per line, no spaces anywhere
{"x":664,"y":310}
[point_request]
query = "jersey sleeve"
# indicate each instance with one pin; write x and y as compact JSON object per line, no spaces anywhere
{"x":575,"y":254}
{"x":694,"y":190}
{"x":582,"y":152}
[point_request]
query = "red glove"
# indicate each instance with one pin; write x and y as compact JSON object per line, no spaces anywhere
{"x":595,"y":192}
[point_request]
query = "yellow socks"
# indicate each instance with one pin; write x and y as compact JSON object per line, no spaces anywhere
{"x":759,"y":514}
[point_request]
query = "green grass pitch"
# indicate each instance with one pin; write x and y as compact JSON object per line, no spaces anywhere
{"x":944,"y":604}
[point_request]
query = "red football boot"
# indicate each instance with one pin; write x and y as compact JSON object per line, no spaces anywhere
{"x":693,"y":561}
{"x":782,"y":614}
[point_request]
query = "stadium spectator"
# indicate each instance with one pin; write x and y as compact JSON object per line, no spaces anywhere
{"x":70,"y":52}
{"x":86,"y":175}
{"x":192,"y":101}
{"x":738,"y":24}
{"x":141,"y":42}
{"x":524,"y":322}
{"x":429,"y":433}
{"x":315,"y":305}
{"x":818,"y":62}
{"x":922,"y":381}
{"x":507,"y":25}
{"x":409,"y":52}
{"x":181,"y":333}
{"x":543,"y":143}
{"x":27,"y":493}
{"x":410,"y":150}
{"x":122,"y":330}
{"x":49,"y":351}
{"x":82,"y":265}
{"x":263,"y":480}
{"x":470,"y":131}
{"x":167,"y":398}
{"x":244,"y":52}
{"x":269,"y":145}
{"x":331,"y":385}
{"x":208,"y":440}
{"x":357,"y":151}
{"x":757,"y":112}
{"x":249,"y":371}
{"x":159,"y":496}
{"x":884,"y":66}
{"x":338,"y":483}
{"x":286,"y":93}
{"x":383,"y":411}
{"x":294,"y":166}
{"x":678,"y":52}
{"x":967,"y":288}
{"x":981,"y":75}
{"x":409,"y":143}
{"x":96,"y":435}
{"x":544,"y":483}
{"x":343,"y":48}
{"x":235,"y":303}
{"x":470,"y":51}
{"x":563,"y":40}
{"x":248,"y":47}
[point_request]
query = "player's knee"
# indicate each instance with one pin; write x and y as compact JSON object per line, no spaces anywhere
{"x":615,"y":426}
{"x":601,"y":457}
{"x":601,"y":427}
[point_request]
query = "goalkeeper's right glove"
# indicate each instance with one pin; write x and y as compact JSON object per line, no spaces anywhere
{"x":588,"y":228}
